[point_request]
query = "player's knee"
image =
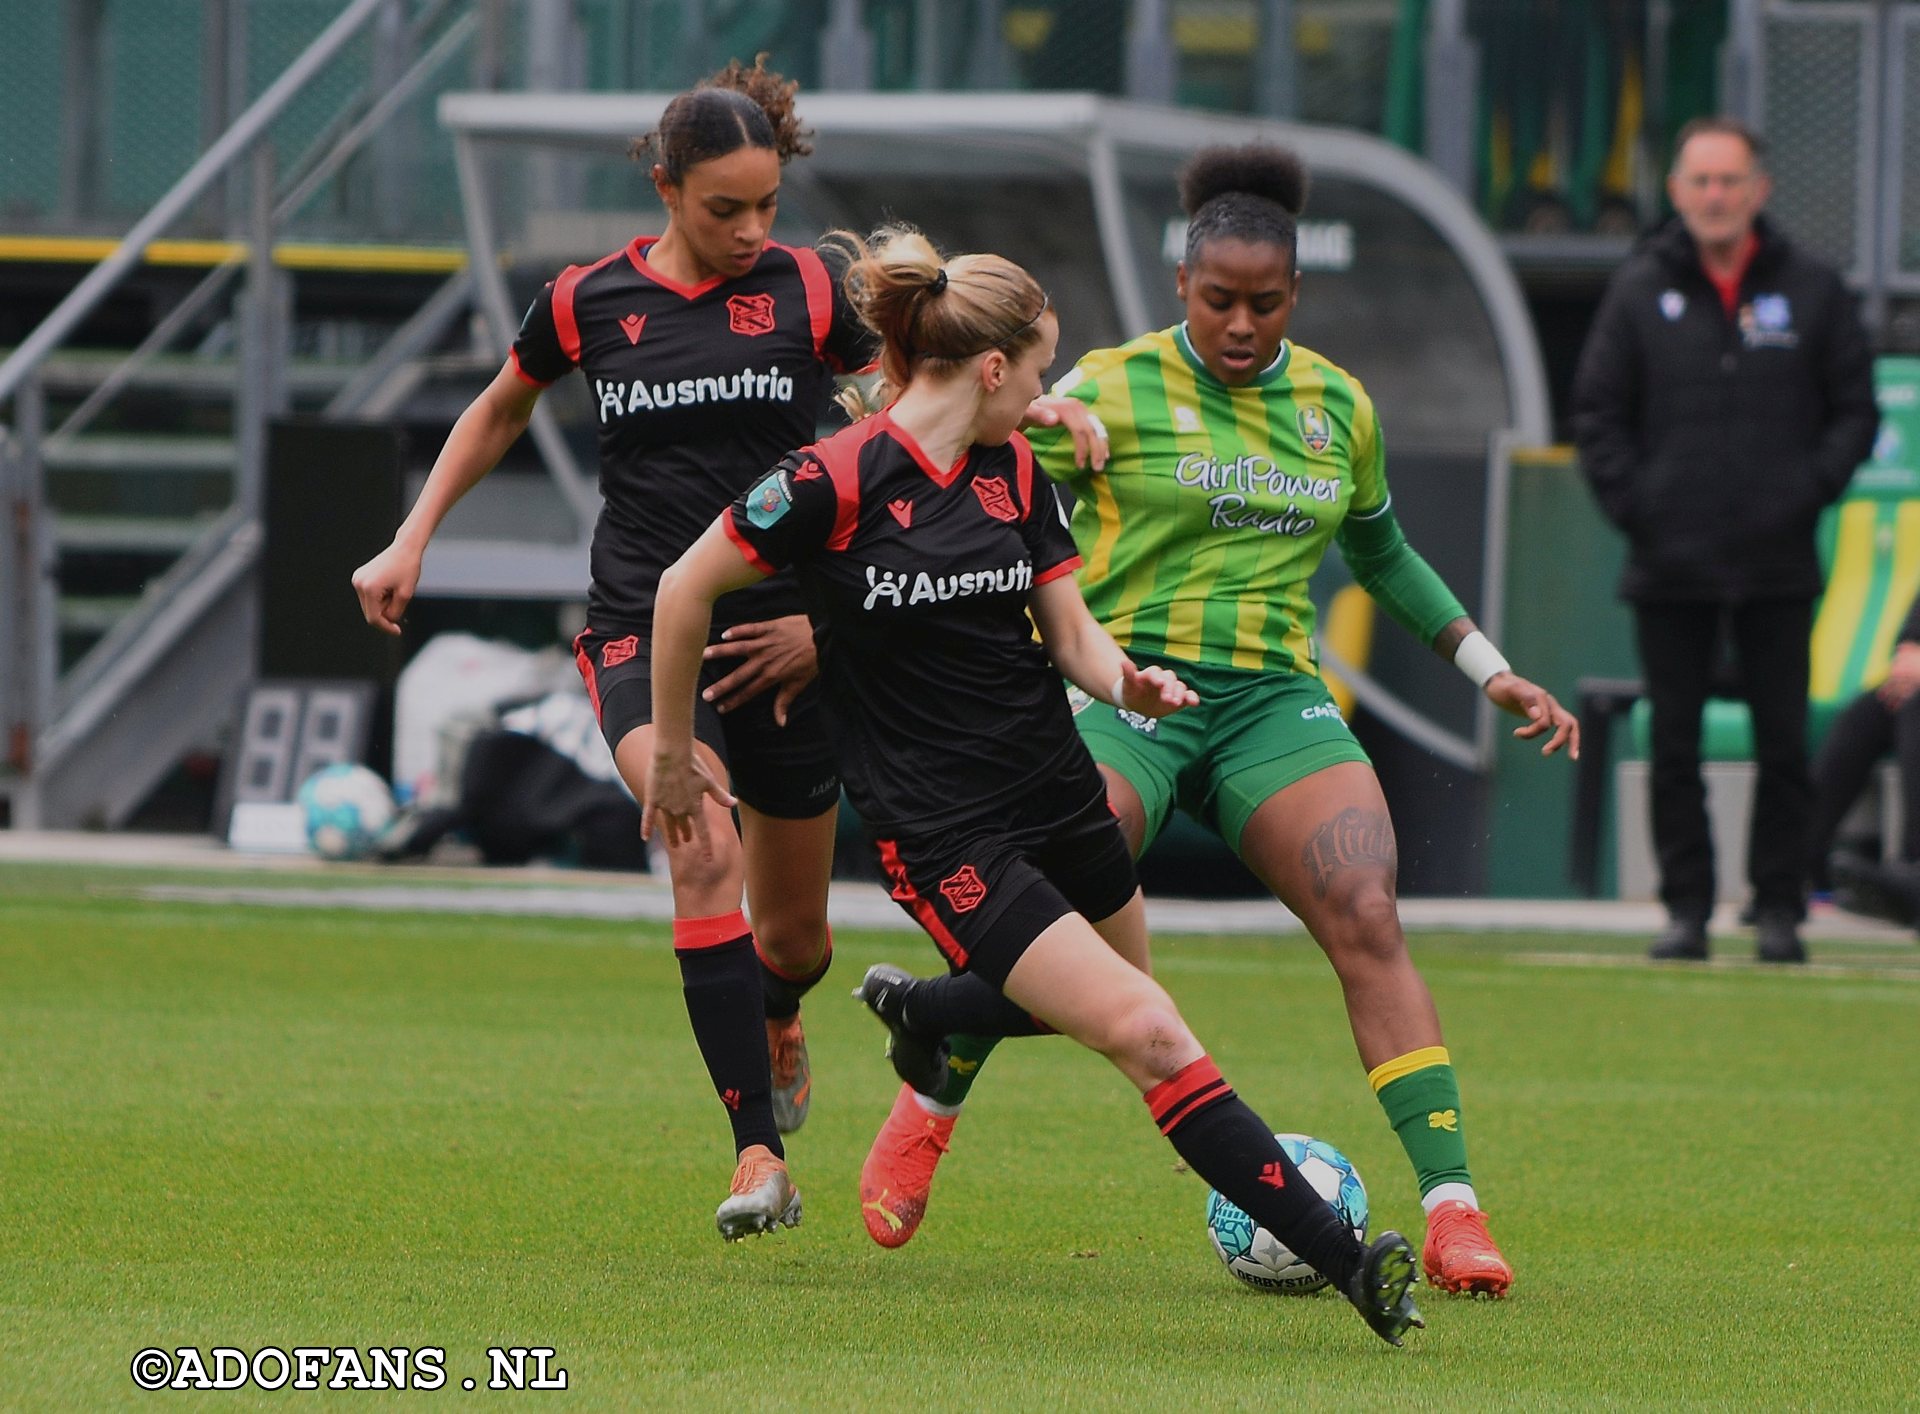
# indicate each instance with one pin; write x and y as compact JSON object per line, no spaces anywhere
{"x":1363,"y":928}
{"x":1147,"y":1035}
{"x":795,"y":940}
{"x":699,"y":873}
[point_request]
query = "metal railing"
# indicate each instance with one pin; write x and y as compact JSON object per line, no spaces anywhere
{"x":103,"y":721}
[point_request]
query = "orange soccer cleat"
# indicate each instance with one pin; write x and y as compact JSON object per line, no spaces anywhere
{"x":1460,"y":1255}
{"x":762,"y":1199}
{"x":792,"y":1074}
{"x":898,"y":1173}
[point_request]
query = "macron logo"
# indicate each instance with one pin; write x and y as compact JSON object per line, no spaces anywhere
{"x":1273,"y":1176}
{"x":631,"y":326}
{"x":902,"y":512}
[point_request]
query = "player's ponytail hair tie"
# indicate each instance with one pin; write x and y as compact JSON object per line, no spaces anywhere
{"x":939,"y":284}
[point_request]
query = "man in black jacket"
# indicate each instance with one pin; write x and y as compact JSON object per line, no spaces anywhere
{"x":1724,"y":397}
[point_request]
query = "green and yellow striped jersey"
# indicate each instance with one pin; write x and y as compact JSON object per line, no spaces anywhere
{"x":1217,"y":504}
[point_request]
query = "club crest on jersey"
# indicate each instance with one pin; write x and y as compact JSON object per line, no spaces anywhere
{"x":631,"y":325}
{"x":770,"y":500}
{"x":1314,"y":428}
{"x":964,"y":889}
{"x":619,"y":651}
{"x":995,"y":498}
{"x":751,"y":315}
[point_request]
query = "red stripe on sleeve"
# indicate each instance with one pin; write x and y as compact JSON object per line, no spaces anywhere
{"x":513,"y":357}
{"x":819,"y":287}
{"x":692,"y":934}
{"x":840,"y":455}
{"x":753,"y":556}
{"x":585,"y":663}
{"x":565,"y":323}
{"x":1065,"y":567}
{"x":922,"y":911}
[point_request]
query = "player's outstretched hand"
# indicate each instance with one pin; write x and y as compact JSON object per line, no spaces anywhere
{"x":1515,"y":694}
{"x":385,"y":586}
{"x":776,"y":654}
{"x":678,"y":785}
{"x":1088,"y":431}
{"x":1154,"y":692}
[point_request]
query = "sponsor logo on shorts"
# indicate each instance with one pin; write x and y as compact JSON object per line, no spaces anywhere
{"x":751,"y":315}
{"x":964,"y":889}
{"x":995,"y":498}
{"x":618,"y":651}
{"x":1139,"y":721}
{"x":1325,"y":710}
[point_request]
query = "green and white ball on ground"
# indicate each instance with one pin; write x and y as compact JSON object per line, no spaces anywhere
{"x":1262,"y":1260}
{"x":346,"y":807}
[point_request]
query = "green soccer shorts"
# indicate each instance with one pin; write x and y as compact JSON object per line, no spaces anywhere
{"x":1253,"y":734}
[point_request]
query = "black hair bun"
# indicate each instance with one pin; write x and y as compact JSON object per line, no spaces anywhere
{"x":1257,"y":169}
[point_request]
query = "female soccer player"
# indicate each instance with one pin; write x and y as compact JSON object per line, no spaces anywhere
{"x":922,"y":538}
{"x":709,"y":352}
{"x":1237,"y":457}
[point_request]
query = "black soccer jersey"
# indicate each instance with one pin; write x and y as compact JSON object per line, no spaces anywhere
{"x":942,"y":705}
{"x":697,"y":389}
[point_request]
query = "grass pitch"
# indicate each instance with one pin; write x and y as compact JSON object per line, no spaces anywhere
{"x":251,"y":1126}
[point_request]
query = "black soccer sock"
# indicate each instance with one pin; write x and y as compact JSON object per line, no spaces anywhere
{"x":784,"y":989}
{"x":720,"y":977}
{"x":963,"y":1003}
{"x":1229,"y":1146}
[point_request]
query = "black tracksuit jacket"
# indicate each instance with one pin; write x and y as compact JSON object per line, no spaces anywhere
{"x":1714,"y":443}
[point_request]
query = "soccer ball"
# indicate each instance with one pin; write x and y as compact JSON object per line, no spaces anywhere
{"x":1259,"y":1258}
{"x":346,"y":807}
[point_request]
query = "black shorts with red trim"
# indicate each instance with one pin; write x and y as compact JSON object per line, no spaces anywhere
{"x":787,"y":772}
{"x":985,"y":891}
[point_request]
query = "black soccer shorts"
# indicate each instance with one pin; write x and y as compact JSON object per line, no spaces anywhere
{"x":786,"y":772}
{"x":985,"y":890}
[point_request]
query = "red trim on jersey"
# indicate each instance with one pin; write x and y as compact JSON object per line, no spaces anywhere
{"x":904,"y":892}
{"x":693,"y":934}
{"x":513,"y":358}
{"x":840,"y":454}
{"x":942,"y":479}
{"x":637,"y":253}
{"x":1065,"y":567}
{"x":1194,"y":1087}
{"x":1023,"y":473}
{"x":585,"y":662}
{"x":819,"y":287}
{"x":564,"y":322}
{"x":753,"y":556}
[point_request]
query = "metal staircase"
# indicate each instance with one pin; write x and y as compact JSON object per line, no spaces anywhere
{"x":138,"y":475}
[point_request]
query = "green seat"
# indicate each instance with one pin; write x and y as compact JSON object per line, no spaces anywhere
{"x":1870,"y":550}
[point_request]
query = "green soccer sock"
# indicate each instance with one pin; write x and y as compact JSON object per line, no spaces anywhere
{"x":1422,"y":1100}
{"x":965,"y":1056}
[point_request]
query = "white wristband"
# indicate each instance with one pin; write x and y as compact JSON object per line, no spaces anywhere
{"x":1119,"y":686}
{"x":1479,"y":659}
